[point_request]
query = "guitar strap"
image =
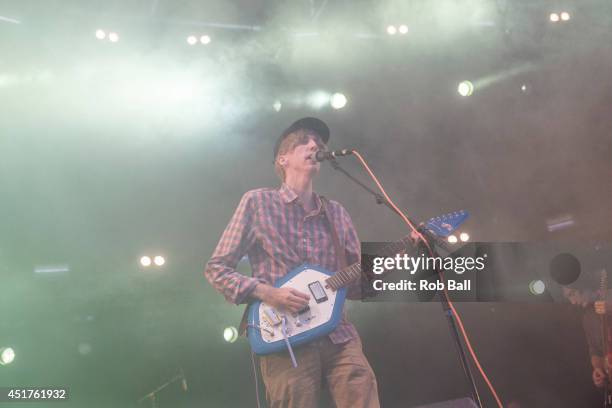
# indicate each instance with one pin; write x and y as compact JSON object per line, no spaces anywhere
{"x":340,"y":251}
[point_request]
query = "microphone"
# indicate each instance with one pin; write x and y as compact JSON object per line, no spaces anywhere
{"x":322,"y":156}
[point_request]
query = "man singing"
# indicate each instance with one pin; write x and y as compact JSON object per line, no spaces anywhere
{"x":280,"y":229}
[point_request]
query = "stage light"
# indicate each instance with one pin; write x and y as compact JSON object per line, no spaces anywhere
{"x":277,"y":106}
{"x":230,"y":334}
{"x":565,"y":16}
{"x":554,"y":17}
{"x":9,"y":20}
{"x":192,"y":40}
{"x":51,"y":268}
{"x":559,"y":223}
{"x":205,"y":39}
{"x":465,"y":88}
{"x":113,"y":37}
{"x":452,"y":239}
{"x":537,"y":287}
{"x":145,"y":261}
{"x":84,"y":348}
{"x":464,"y":237}
{"x":403,"y":29}
{"x":318,"y":99}
{"x":7,"y":355}
{"x":391,"y":30}
{"x":100,"y":34}
{"x":159,"y":260}
{"x":338,"y":101}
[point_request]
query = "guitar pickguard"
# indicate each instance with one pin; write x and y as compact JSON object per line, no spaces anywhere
{"x":316,"y":315}
{"x":321,"y":317}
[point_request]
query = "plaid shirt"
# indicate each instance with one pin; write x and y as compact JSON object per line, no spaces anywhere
{"x":272,"y":227}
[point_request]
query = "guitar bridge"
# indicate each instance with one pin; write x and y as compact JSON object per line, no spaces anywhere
{"x":271,"y":317}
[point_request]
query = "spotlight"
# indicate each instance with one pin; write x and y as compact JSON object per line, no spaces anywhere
{"x":465,"y":88}
{"x":192,"y":40}
{"x":100,"y":34}
{"x":319,"y":99}
{"x":338,"y":101}
{"x":145,"y":261}
{"x":403,"y":29}
{"x":391,"y":30}
{"x":277,"y":106}
{"x":159,"y":260}
{"x":205,"y":39}
{"x":464,"y":237}
{"x":113,"y":37}
{"x":84,"y":348}
{"x":7,"y":355}
{"x":554,"y":17}
{"x":559,"y":223}
{"x":452,"y":239}
{"x":565,"y":16}
{"x":537,"y":287}
{"x":230,"y":334}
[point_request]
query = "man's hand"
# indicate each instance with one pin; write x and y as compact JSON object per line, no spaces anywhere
{"x":414,"y":237}
{"x":600,"y":307}
{"x":599,"y":377}
{"x":287,"y":299}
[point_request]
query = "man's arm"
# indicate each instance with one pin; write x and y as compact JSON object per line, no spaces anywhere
{"x":592,"y":329}
{"x":599,"y":373}
{"x":234,"y":243}
{"x":237,"y":288}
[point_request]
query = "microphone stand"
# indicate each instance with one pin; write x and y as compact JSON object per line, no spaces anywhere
{"x":443,"y":298}
{"x":152,"y":396}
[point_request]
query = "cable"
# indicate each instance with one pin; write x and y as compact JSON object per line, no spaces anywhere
{"x":286,"y":338}
{"x":451,"y":305}
{"x":255,"y":376}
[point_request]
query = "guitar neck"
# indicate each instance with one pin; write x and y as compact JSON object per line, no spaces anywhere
{"x":352,"y":273}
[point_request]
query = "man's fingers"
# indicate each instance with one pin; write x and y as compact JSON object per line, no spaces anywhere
{"x":598,"y":377}
{"x":295,"y":308}
{"x":300,"y":294}
{"x":298,"y":302}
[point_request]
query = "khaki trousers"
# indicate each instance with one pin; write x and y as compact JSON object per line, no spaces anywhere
{"x":344,"y":368}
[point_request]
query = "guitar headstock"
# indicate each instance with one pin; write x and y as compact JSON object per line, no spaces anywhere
{"x":446,"y":224}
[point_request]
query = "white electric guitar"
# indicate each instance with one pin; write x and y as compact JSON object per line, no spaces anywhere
{"x":271,"y":330}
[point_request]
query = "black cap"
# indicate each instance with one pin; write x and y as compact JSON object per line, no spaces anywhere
{"x":314,"y":124}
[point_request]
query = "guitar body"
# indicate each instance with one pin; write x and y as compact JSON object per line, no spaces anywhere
{"x":270,"y":330}
{"x":322,"y":316}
